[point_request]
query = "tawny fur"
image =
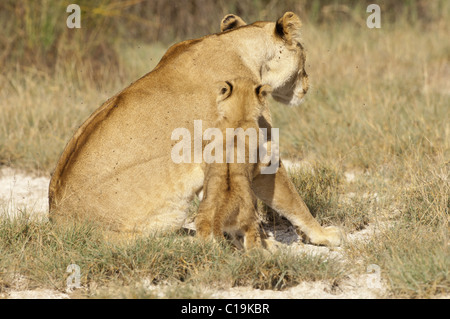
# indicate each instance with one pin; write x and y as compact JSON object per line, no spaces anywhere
{"x":229,"y":203}
{"x":117,"y":168}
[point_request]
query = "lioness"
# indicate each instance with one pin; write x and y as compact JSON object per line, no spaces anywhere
{"x":117,"y":169}
{"x":229,"y":203}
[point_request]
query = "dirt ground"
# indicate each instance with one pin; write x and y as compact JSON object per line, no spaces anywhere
{"x":20,"y":192}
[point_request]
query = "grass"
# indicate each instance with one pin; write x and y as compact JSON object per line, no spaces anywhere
{"x":378,"y":108}
{"x":386,"y":105}
{"x":412,"y":251}
{"x":40,"y":253}
{"x":412,"y":259}
{"x":427,"y":198}
{"x":324,"y":190}
{"x":37,"y":120}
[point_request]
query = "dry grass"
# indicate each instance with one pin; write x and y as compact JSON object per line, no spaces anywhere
{"x":378,"y":107}
{"x":380,"y":97}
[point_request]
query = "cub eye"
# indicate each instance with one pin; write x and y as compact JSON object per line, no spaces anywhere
{"x":258,"y":89}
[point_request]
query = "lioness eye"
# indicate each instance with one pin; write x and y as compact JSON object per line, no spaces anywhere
{"x":258,"y":89}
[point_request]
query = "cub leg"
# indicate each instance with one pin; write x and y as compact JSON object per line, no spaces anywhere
{"x":224,"y":215}
{"x":252,"y":238}
{"x":248,"y":223}
{"x":204,"y":219}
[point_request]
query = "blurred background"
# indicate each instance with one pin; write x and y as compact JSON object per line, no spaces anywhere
{"x":34,"y":33}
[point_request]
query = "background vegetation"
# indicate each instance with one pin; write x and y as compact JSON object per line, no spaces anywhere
{"x":378,"y":109}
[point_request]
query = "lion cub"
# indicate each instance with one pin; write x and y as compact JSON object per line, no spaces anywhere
{"x":229,"y":204}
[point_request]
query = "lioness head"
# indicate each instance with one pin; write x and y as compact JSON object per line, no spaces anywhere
{"x":284,"y":69}
{"x":241,"y":100}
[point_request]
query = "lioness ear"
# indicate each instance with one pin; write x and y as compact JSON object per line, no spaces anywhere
{"x":288,"y":27}
{"x":225,"y":89}
{"x":231,"y":21}
{"x":263,"y":91}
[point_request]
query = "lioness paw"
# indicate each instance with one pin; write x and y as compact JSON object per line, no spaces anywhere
{"x":331,"y":236}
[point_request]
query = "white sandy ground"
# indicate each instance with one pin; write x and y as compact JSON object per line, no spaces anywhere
{"x":20,"y":192}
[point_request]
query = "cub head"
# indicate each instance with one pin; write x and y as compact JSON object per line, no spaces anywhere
{"x":283,"y":67}
{"x":241,"y":100}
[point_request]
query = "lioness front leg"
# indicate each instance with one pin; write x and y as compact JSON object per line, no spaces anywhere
{"x":277,"y":191}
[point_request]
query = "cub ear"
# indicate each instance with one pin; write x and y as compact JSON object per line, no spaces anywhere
{"x":230,"y":22}
{"x":288,"y":27}
{"x":224,"y":91}
{"x":263,"y":91}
